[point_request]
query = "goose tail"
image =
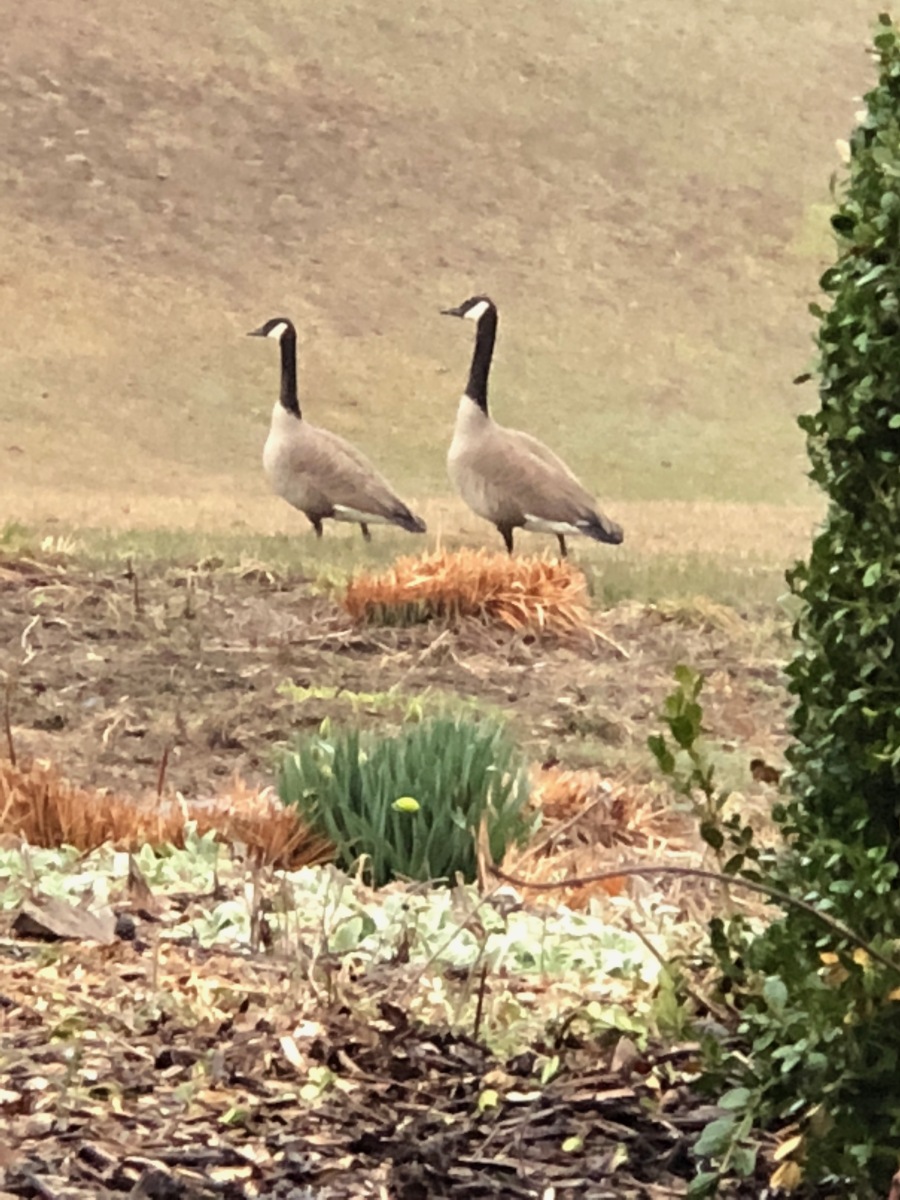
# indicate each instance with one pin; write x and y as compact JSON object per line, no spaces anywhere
{"x":602,"y":529}
{"x":409,"y":521}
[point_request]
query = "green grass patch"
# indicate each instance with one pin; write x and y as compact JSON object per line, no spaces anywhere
{"x":328,"y":564}
{"x":739,"y":583}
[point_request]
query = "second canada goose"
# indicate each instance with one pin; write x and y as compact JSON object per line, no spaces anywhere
{"x":317,"y":471}
{"x":510,"y":478}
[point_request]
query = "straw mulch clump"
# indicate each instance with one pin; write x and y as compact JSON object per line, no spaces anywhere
{"x":592,"y":825}
{"x":38,"y":805}
{"x":523,"y":593}
{"x":563,"y":795}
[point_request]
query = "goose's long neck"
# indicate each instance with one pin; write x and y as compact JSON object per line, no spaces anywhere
{"x":476,"y":388}
{"x":289,"y":398}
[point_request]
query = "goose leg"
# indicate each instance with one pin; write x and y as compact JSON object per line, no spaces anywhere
{"x":506,"y":530}
{"x":317,"y":525}
{"x":365,"y":531}
{"x":563,"y":552}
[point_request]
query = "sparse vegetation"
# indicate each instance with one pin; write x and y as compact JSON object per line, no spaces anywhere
{"x":684,"y":759}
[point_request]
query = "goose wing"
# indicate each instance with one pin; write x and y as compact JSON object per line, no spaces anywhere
{"x":535,"y":487}
{"x":539,"y":450}
{"x":336,"y":475}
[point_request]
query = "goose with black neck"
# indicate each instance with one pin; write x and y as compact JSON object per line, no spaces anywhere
{"x":316,"y":471}
{"x":508,"y":477}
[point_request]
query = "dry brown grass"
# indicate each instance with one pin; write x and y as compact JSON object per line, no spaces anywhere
{"x":594,"y":824}
{"x":522,"y":593}
{"x":38,"y":805}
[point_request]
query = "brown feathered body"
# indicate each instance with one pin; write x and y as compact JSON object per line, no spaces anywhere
{"x":325,"y":476}
{"x":509,"y":477}
{"x":513,"y":480}
{"x":319,"y":472}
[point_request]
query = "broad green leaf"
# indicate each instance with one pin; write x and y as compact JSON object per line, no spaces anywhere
{"x":706,"y":1183}
{"x":715,"y":1138}
{"x":735,"y":1098}
{"x":775,"y":994}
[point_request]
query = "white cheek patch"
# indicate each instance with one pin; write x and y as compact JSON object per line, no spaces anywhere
{"x":277,"y":330}
{"x":477,"y":311}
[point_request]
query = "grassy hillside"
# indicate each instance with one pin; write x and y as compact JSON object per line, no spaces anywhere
{"x":642,"y":189}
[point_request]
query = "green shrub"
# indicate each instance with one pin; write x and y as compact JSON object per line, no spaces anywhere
{"x":846,"y":674}
{"x":819,"y":1017}
{"x":812,"y":1001}
{"x":456,"y":771}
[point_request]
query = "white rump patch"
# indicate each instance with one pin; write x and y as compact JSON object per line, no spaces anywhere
{"x":477,"y":311}
{"x":343,"y":513}
{"x":277,"y":330}
{"x":539,"y":525}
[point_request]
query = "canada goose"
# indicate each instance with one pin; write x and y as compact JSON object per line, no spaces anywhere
{"x":510,"y":478}
{"x":317,"y":471}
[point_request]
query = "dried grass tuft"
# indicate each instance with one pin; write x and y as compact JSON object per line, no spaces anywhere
{"x":38,"y":805}
{"x":592,"y":824}
{"x":522,"y":593}
{"x":563,"y":795}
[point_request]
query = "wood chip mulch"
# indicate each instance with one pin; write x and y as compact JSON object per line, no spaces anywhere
{"x":221,"y":1086}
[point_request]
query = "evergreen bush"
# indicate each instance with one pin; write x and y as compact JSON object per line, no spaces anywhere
{"x":819,"y":1017}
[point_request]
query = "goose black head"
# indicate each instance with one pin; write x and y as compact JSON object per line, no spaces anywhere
{"x":472,"y":309}
{"x":276,"y":328}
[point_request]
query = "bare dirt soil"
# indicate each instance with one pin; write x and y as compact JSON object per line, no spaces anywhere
{"x":109,"y":668}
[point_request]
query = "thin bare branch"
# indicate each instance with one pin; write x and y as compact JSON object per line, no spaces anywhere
{"x":700,"y":873}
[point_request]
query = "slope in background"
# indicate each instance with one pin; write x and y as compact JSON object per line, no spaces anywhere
{"x":643,"y":190}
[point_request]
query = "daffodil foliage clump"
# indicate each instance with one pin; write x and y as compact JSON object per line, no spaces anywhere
{"x":411,"y":806}
{"x":820,"y":1015}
